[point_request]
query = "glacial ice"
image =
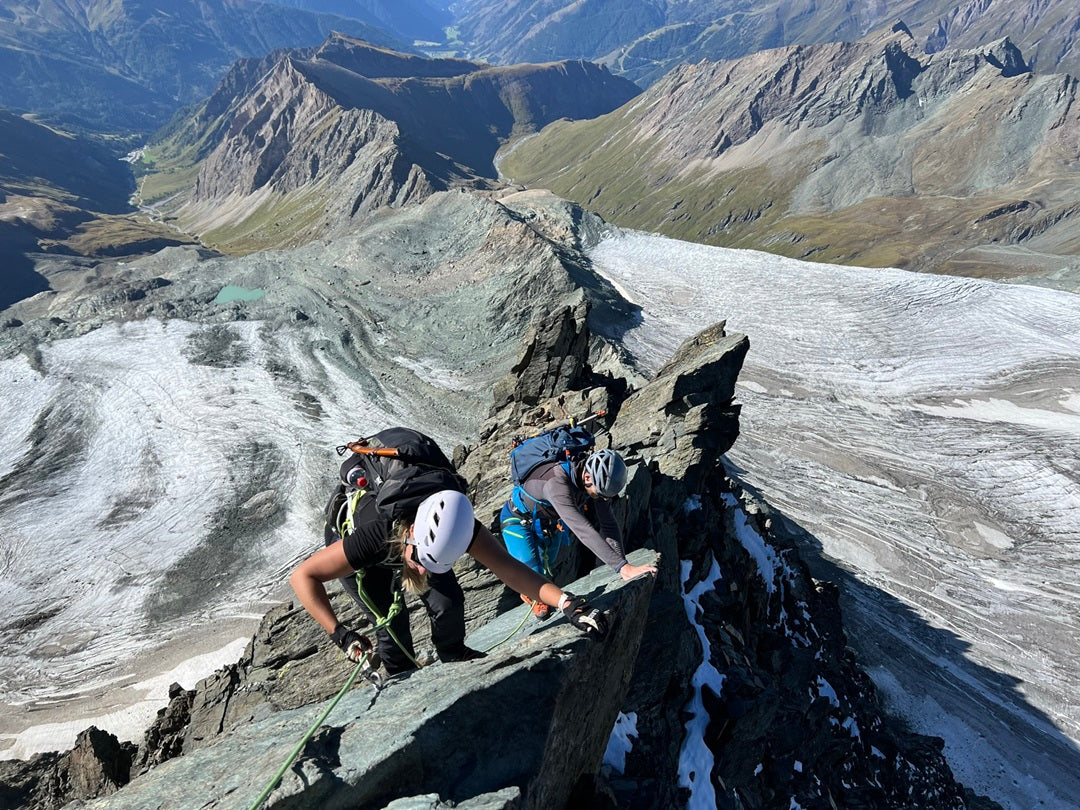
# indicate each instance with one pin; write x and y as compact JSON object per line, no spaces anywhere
{"x":130,"y":457}
{"x":921,"y":432}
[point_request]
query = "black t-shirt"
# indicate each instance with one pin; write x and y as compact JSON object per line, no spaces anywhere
{"x":368,"y":543}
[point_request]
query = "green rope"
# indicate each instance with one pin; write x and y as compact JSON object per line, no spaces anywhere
{"x":310,"y":733}
{"x":384,"y":622}
{"x":521,"y":624}
{"x":380,"y":623}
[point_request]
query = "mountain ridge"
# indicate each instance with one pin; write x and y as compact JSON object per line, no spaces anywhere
{"x":314,"y":144}
{"x":647,"y":40}
{"x":124,"y":66}
{"x":889,"y":157}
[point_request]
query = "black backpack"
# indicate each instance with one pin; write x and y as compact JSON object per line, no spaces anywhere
{"x":400,"y":467}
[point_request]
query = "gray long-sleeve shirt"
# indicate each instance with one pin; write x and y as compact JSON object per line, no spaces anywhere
{"x":550,"y":483}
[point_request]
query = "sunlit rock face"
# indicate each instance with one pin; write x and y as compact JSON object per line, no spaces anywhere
{"x":868,"y":152}
{"x":919,"y":437}
{"x":313,"y":142}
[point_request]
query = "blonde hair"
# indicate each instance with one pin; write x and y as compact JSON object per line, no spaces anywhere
{"x":411,"y":579}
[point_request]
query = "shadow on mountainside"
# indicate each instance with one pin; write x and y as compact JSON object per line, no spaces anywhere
{"x":18,"y":279}
{"x":928,"y":681}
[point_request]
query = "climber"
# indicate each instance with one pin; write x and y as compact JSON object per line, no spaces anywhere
{"x":560,"y":498}
{"x":415,"y":550}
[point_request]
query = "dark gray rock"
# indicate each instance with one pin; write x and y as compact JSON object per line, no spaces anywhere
{"x":687,"y":415}
{"x":506,"y":799}
{"x":554,"y":359}
{"x":533,"y":715}
{"x":289,"y":663}
{"x":19,"y":778}
{"x":165,"y":737}
{"x":98,"y":765}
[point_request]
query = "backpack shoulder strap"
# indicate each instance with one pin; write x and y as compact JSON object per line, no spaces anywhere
{"x":341,"y":510}
{"x":524,"y":503}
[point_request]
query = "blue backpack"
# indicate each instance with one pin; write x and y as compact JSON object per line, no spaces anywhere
{"x":564,"y":443}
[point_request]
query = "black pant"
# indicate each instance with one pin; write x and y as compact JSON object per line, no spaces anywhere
{"x":445,"y":604}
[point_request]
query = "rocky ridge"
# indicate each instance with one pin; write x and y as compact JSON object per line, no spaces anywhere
{"x":322,"y":139}
{"x":126,"y":67}
{"x":644,"y":41}
{"x":787,"y":714}
{"x":866,"y":153}
{"x":459,"y":258}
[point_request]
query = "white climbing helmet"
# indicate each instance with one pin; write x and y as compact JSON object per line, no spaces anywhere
{"x":443,"y":530}
{"x":608,"y":472}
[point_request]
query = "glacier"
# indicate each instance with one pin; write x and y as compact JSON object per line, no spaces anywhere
{"x":159,"y":480}
{"x":920,"y":434}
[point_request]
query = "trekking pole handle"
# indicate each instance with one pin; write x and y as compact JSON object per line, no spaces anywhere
{"x":568,"y":422}
{"x":356,"y":447}
{"x":590,"y":417}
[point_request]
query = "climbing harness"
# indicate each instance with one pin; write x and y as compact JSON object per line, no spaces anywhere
{"x":550,"y":540}
{"x":395,"y":608}
{"x":383,"y":622}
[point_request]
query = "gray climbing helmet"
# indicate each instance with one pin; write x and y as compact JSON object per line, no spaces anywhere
{"x":608,"y":472}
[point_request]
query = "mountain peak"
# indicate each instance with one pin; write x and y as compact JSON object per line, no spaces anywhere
{"x":1006,"y":56}
{"x":900,"y":27}
{"x":796,"y":150}
{"x":364,"y":127}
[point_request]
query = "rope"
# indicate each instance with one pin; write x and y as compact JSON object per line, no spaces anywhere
{"x":310,"y":733}
{"x":528,"y":611}
{"x":382,"y":622}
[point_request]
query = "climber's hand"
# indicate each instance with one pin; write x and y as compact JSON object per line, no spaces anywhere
{"x":589,"y":620}
{"x":629,"y":572}
{"x":354,"y":645}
